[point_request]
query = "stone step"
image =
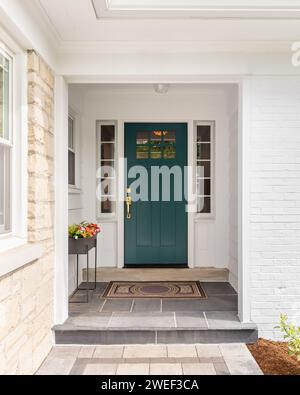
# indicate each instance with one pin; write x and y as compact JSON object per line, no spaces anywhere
{"x":109,"y":336}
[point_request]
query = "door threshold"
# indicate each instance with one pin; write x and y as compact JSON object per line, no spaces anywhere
{"x":156,"y":266}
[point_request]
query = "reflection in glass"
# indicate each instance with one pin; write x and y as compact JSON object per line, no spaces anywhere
{"x":142,"y":152}
{"x":155,"y":152}
{"x":5,"y":197}
{"x":170,"y":137}
{"x":4,"y":98}
{"x":71,"y":132}
{"x":107,"y":151}
{"x":203,"y":151}
{"x":142,"y":138}
{"x":203,"y":187}
{"x":107,"y":169}
{"x":203,"y":133}
{"x":170,"y":152}
{"x":156,"y":136}
{"x":203,"y":169}
{"x":107,"y":133}
{"x":204,"y":205}
{"x":107,"y":187}
{"x":71,"y":165}
{"x":107,"y":206}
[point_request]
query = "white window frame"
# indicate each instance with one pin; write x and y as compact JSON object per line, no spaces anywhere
{"x":99,"y":124}
{"x":73,"y":189}
{"x":8,"y":144}
{"x":212,"y":124}
{"x":19,"y":146}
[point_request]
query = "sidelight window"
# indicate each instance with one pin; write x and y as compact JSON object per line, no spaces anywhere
{"x":204,"y":176}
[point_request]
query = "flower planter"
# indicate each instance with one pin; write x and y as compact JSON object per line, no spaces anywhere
{"x":78,"y":247}
{"x":81,"y":246}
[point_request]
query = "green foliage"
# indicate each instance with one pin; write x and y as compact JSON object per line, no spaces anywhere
{"x":291,"y":335}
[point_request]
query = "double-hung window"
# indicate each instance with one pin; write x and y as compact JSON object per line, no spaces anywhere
{"x":5,"y":141}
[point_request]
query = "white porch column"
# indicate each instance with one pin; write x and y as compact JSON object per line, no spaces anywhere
{"x":244,"y":204}
{"x":61,"y":201}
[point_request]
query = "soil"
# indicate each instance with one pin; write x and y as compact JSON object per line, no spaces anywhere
{"x":274,"y":359}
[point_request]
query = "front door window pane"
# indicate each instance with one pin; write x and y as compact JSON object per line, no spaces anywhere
{"x":169,"y":152}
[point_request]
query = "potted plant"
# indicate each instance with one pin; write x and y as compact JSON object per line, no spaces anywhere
{"x":82,"y":237}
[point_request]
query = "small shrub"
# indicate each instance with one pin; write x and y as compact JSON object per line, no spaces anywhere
{"x":291,"y":334}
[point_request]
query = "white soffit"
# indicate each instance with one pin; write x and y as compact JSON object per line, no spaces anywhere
{"x":201,"y":9}
{"x":77,"y":29}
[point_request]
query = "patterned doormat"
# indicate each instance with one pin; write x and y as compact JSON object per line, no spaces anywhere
{"x":154,"y":290}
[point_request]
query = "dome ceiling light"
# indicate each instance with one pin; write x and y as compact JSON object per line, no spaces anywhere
{"x":161,"y":88}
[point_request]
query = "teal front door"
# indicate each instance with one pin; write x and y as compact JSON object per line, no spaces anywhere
{"x":156,"y":222}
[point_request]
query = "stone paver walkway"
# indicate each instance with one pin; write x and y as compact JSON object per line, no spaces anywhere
{"x":223,"y":359}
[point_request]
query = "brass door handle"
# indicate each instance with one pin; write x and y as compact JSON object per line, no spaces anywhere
{"x":128,"y":203}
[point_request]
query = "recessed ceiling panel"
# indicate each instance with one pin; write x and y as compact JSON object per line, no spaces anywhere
{"x":196,"y":8}
{"x":199,"y":4}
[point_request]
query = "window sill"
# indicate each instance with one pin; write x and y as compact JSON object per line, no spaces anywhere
{"x":8,"y":241}
{"x":15,"y":258}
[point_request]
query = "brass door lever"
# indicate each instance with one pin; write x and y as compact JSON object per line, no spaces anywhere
{"x":128,"y":203}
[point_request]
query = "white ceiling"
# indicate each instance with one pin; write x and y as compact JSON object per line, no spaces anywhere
{"x":91,"y":23}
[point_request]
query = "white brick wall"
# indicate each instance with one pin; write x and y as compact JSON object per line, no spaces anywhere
{"x":274,"y":201}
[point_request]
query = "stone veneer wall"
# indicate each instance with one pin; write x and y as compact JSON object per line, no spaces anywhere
{"x":26,"y":296}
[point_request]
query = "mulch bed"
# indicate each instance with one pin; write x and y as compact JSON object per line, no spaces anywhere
{"x":274,"y":359}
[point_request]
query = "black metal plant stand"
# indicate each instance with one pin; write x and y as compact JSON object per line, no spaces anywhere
{"x":83,"y":247}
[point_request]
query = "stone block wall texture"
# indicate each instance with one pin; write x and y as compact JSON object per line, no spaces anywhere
{"x":26,"y":296}
{"x":274,"y":183}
